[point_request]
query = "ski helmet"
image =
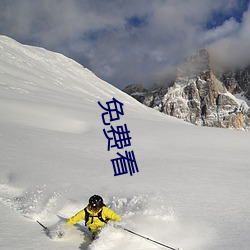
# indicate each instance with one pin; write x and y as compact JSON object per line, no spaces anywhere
{"x":96,"y":202}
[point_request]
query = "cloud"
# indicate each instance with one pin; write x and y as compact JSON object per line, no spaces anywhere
{"x":233,"y":49}
{"x":126,"y":42}
{"x":228,"y":28}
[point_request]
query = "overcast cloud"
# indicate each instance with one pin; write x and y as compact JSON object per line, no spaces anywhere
{"x":131,"y":41}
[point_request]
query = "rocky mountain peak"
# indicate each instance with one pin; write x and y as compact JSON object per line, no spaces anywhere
{"x":200,"y":96}
{"x":196,"y":64}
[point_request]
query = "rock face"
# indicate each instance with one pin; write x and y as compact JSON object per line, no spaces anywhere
{"x":137,"y":91}
{"x":201,"y":97}
{"x":237,"y":81}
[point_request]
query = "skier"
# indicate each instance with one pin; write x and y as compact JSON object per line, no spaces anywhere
{"x":95,"y":214}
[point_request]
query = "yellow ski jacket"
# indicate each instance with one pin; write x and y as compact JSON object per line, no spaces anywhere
{"x":94,"y":223}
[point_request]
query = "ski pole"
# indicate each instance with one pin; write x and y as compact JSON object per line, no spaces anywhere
{"x":150,"y":239}
{"x":45,"y":228}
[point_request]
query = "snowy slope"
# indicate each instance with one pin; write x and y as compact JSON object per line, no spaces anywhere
{"x":191,"y":191}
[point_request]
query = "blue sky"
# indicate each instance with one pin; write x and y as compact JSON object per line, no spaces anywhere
{"x":131,"y":41}
{"x":218,"y":17}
